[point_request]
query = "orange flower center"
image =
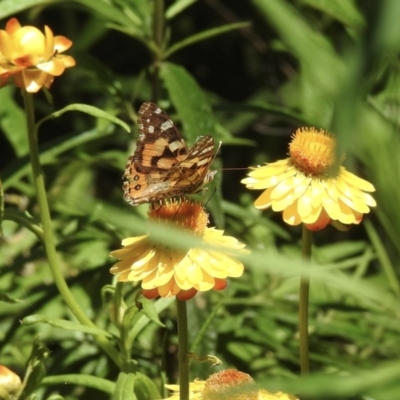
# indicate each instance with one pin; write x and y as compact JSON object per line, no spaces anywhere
{"x":230,"y":385}
{"x":313,"y":151}
{"x":180,"y":213}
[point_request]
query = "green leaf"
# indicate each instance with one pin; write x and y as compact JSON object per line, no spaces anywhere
{"x":209,"y":33}
{"x":344,"y":11}
{"x":190,"y":102}
{"x":145,"y":388}
{"x":24,"y":219}
{"x":85,"y":380}
{"x":11,"y":7}
{"x":150,"y":311}
{"x":12,"y":121}
{"x":50,"y":152}
{"x":124,"y":389}
{"x":85,"y":108}
{"x":320,"y":81}
{"x":143,"y":320}
{"x":1,"y":207}
{"x":63,"y":324}
{"x":7,"y":299}
{"x":177,"y":7}
{"x":35,"y":368}
{"x":107,"y":11}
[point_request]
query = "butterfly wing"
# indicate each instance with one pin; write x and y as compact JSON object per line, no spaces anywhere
{"x":193,"y":172}
{"x":162,"y":165}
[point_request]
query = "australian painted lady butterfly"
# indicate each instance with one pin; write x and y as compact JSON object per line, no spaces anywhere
{"x":163,"y":166}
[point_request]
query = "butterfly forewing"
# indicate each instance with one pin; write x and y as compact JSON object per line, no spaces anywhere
{"x":160,"y":143}
{"x":162,"y":165}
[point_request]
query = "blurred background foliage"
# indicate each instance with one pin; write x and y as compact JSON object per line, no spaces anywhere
{"x":329,"y":64}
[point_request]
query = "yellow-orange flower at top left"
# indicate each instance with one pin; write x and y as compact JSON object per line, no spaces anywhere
{"x":29,"y":57}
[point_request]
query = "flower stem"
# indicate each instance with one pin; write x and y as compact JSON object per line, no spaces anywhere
{"x":48,"y":237}
{"x":183,"y":350}
{"x":303,"y":304}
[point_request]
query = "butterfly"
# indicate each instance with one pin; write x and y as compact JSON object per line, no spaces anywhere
{"x":162,"y":165}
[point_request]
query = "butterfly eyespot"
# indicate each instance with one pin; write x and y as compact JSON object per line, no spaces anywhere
{"x":137,"y":187}
{"x":136,"y":178}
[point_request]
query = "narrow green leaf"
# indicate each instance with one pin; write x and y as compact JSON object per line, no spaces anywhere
{"x":150,"y":311}
{"x":85,"y":380}
{"x":177,"y":7}
{"x":49,"y":153}
{"x":85,"y":108}
{"x":7,"y":299}
{"x":12,"y":121}
{"x":11,"y":7}
{"x":209,"y":33}
{"x":143,"y":320}
{"x":145,"y":388}
{"x":1,"y":207}
{"x":25,"y":220}
{"x":63,"y":324}
{"x":344,"y":11}
{"x":304,"y":41}
{"x":124,"y":389}
{"x":190,"y":102}
{"x":106,"y":10}
{"x":35,"y":368}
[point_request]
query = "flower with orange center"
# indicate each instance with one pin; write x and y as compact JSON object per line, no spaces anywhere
{"x":311,"y":187}
{"x":32,"y":59}
{"x":165,"y":271}
{"x":228,"y":385}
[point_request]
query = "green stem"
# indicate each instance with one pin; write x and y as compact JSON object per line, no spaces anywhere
{"x":303,"y":304}
{"x":158,"y":35}
{"x":383,"y":257}
{"x":183,"y":350}
{"x":48,"y":237}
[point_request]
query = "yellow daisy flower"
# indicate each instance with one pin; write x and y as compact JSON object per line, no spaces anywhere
{"x":228,"y":384}
{"x":32,"y":59}
{"x":311,"y":187}
{"x":10,"y":383}
{"x":164,"y":271}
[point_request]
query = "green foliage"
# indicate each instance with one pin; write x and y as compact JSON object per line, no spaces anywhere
{"x":249,"y":74}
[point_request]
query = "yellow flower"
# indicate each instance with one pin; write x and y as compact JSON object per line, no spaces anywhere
{"x":30,"y":58}
{"x":229,"y":384}
{"x":311,"y":187}
{"x":10,"y":382}
{"x":165,"y":271}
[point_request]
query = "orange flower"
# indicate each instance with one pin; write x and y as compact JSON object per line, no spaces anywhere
{"x":10,"y":382}
{"x":30,"y":58}
{"x":228,"y":384}
{"x":311,"y":187}
{"x":165,"y":271}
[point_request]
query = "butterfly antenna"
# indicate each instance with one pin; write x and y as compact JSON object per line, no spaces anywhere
{"x":212,"y":195}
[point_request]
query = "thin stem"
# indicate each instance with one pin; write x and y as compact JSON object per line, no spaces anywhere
{"x":48,"y":237}
{"x":158,"y":35}
{"x":303,"y":304}
{"x":383,"y":257}
{"x":183,"y":350}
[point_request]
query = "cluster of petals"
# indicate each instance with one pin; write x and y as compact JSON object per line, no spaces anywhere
{"x":165,"y":271}
{"x":231,"y":384}
{"x":308,"y":188}
{"x":30,"y":58}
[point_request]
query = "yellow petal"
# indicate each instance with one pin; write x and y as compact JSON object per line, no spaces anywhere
{"x":354,"y":180}
{"x":290,"y":215}
{"x":346,"y":215}
{"x":264,"y":200}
